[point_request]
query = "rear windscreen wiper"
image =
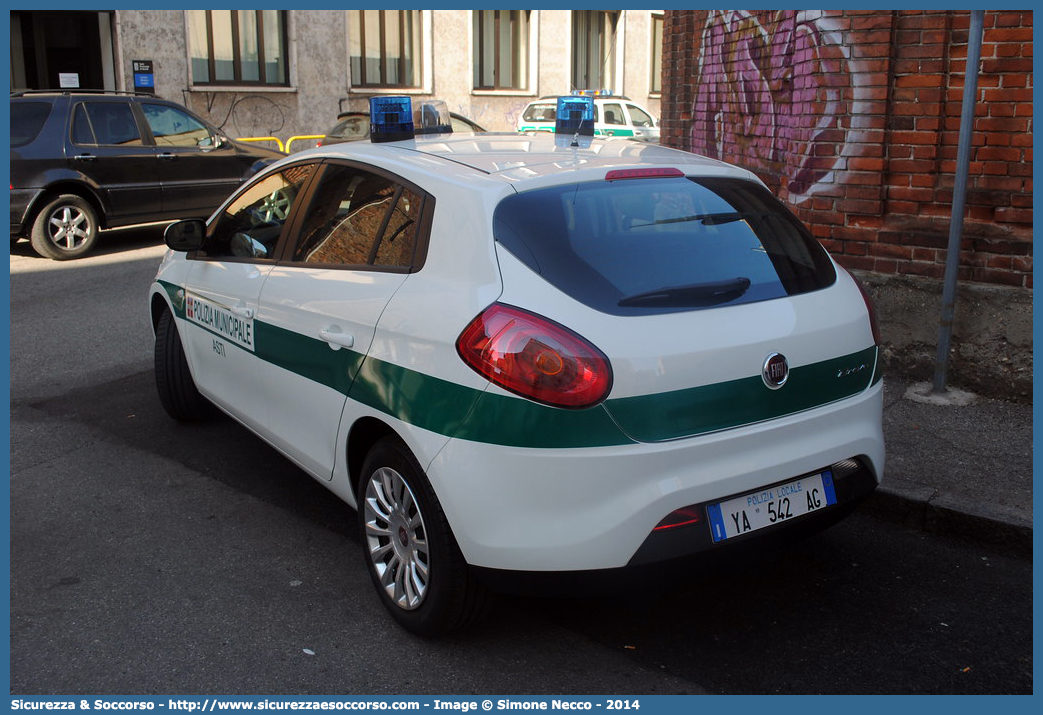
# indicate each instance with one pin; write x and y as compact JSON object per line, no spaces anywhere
{"x":707,"y":219}
{"x":696,"y":294}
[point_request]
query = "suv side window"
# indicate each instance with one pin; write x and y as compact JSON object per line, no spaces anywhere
{"x":174,"y":127}
{"x":105,"y":124}
{"x":358,"y":218}
{"x":27,"y":119}
{"x":252,"y":225}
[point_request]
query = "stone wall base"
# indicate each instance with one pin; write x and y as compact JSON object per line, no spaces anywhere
{"x":991,"y":351}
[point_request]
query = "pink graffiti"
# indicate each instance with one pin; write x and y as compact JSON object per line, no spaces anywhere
{"x":770,"y":96}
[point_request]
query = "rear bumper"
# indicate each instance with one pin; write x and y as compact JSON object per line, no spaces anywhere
{"x":852,"y":479}
{"x":528,"y":509}
{"x":683,"y":555}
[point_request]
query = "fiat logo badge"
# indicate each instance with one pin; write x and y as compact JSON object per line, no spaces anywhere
{"x":775,"y":371}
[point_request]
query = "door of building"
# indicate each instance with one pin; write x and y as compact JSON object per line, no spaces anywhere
{"x":66,"y":49}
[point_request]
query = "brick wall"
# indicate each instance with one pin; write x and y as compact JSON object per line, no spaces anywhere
{"x":853,"y":118}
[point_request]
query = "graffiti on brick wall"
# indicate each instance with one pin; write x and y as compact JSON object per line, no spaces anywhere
{"x":770,"y":95}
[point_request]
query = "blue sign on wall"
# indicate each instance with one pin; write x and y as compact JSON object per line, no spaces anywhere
{"x":144,"y":79}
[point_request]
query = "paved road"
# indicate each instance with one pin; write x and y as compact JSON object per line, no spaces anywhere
{"x":153,"y":558}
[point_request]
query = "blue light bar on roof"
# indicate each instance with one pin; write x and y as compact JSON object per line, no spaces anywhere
{"x":575,"y":116}
{"x":390,"y":119}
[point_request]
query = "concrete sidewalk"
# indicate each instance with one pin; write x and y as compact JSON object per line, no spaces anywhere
{"x":957,"y":469}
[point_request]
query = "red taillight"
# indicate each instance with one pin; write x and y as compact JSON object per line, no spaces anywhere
{"x":535,"y":357}
{"x":664,"y":173}
{"x":870,"y":306}
{"x":685,"y":516}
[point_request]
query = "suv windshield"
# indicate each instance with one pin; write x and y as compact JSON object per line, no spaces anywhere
{"x":643,"y":246}
{"x":27,"y":120}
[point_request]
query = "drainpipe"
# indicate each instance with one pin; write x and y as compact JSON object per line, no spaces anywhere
{"x":959,"y":198}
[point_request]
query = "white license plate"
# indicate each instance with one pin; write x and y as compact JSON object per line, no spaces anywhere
{"x":771,"y":506}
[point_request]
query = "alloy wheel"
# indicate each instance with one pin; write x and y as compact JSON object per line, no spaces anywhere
{"x":396,"y":539}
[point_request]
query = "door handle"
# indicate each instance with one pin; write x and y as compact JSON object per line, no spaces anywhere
{"x":243,"y":311}
{"x":166,"y":155}
{"x":336,"y":338}
{"x":84,"y":157}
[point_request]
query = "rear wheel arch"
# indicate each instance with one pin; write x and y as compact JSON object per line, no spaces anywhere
{"x":53,"y":191}
{"x":363,"y":435}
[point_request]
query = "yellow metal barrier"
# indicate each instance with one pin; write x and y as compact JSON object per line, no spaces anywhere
{"x":302,"y":137}
{"x":263,"y":139}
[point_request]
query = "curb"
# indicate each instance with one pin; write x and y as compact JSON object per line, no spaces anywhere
{"x":933,"y":512}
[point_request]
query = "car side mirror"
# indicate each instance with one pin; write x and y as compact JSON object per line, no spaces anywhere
{"x":187,"y":235}
{"x":214,"y":141}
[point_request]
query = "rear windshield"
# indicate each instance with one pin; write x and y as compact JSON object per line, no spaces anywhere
{"x":27,"y":120}
{"x":641,"y":246}
{"x":540,"y":112}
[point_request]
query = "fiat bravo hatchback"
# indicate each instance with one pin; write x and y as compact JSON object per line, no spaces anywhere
{"x":517,"y":354}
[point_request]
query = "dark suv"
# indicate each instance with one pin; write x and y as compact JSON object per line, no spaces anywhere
{"x":84,"y":161}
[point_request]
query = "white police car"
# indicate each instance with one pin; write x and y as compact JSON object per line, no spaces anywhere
{"x":527,"y":353}
{"x":615,"y":117}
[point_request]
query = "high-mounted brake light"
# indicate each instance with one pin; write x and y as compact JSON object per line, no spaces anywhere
{"x":535,"y":357}
{"x":664,"y":173}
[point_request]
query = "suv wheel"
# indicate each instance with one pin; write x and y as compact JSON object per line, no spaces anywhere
{"x":67,"y":227}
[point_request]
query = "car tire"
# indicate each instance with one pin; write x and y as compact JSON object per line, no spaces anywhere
{"x":66,"y":228}
{"x":412,"y":556}
{"x":177,"y":391}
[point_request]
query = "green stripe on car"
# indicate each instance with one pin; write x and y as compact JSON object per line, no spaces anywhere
{"x":463,"y":412}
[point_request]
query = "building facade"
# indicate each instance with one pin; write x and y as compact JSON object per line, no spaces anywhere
{"x":287,"y":73}
{"x":853,"y":118}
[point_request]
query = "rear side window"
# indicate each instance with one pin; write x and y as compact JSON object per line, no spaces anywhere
{"x":540,"y":112}
{"x":27,"y":119}
{"x":358,"y":218}
{"x":105,"y":124}
{"x":640,"y":246}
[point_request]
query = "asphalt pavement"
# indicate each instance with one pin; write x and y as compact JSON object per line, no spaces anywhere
{"x":957,"y":464}
{"x":148,"y":557}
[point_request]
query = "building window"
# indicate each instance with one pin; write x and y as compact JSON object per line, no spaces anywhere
{"x":594,"y":49}
{"x":384,"y":47}
{"x":238,"y":47}
{"x":655,"y":84}
{"x":501,"y":49}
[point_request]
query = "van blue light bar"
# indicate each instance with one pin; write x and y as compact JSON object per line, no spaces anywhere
{"x":390,"y":119}
{"x":575,"y":116}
